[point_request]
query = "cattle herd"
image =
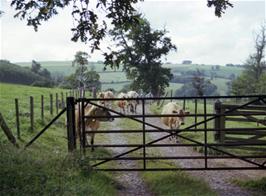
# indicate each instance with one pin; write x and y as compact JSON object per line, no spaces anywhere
{"x":126,"y":107}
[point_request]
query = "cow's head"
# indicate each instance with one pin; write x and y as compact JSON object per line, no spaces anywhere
{"x":104,"y":113}
{"x":182,"y":114}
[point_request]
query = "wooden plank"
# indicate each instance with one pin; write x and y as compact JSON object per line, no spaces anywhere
{"x":243,"y":140}
{"x":238,"y":119}
{"x":245,"y":112}
{"x":258,"y":121}
{"x":250,"y":148}
{"x":254,"y":107}
{"x":246,"y":132}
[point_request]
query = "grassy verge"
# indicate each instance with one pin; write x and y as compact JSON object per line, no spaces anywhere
{"x":256,"y":185}
{"x":170,"y":182}
{"x":38,"y":172}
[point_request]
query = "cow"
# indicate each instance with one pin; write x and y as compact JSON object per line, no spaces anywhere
{"x":132,"y":104}
{"x":122,"y":104}
{"x":106,"y":95}
{"x":92,"y":123}
{"x":173,"y":122}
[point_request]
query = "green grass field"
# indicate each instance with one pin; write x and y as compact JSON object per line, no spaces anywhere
{"x":45,"y":168}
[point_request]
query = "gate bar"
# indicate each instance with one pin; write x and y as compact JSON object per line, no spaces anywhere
{"x":167,"y":136}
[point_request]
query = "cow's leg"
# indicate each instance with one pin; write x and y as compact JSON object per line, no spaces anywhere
{"x":92,"y":142}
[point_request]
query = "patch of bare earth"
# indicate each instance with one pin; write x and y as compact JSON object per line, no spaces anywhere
{"x":130,"y":183}
{"x":219,"y":181}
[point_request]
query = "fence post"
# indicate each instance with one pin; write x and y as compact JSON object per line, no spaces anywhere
{"x":7,"y":131}
{"x":219,"y":122}
{"x":51,"y":104}
{"x":62,"y":100}
{"x":71,"y":127}
{"x":31,"y":113}
{"x":42,"y":108}
{"x":56,"y":103}
{"x":171,"y":94}
{"x":184,"y":104}
{"x":196,"y":112}
{"x":17,"y":118}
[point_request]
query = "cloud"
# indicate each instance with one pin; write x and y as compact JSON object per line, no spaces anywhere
{"x":193,"y":27}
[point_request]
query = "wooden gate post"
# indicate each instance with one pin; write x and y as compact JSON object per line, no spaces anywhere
{"x":219,"y":122}
{"x":71,"y":127}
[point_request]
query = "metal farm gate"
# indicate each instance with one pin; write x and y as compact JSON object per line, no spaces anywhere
{"x":207,"y":119}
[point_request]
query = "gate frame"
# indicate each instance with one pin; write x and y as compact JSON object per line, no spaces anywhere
{"x":144,"y":145}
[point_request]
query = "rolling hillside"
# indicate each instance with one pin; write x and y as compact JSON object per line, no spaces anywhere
{"x":12,"y":73}
{"x":116,"y":79}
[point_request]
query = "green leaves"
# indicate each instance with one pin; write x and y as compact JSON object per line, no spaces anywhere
{"x":140,"y":51}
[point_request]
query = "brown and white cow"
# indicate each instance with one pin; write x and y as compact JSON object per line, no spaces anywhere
{"x":173,"y":122}
{"x":122,"y":104}
{"x":92,"y":124}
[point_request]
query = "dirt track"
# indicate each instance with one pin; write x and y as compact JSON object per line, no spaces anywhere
{"x":220,"y":181}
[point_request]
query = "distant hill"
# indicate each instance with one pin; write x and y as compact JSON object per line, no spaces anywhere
{"x":219,"y":75}
{"x":12,"y":73}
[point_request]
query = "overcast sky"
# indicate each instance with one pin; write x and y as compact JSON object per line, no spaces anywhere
{"x":199,"y":35}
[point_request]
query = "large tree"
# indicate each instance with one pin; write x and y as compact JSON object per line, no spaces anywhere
{"x":139,"y":52}
{"x":91,"y":19}
{"x":252,"y":80}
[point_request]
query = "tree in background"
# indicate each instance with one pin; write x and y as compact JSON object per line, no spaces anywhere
{"x":199,"y":83}
{"x":80,"y":62}
{"x":91,"y":80}
{"x":139,"y":52}
{"x":197,"y":86}
{"x":252,"y":80}
{"x":92,"y":19}
{"x":35,"y":67}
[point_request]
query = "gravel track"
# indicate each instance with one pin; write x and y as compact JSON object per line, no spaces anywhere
{"x":130,"y":183}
